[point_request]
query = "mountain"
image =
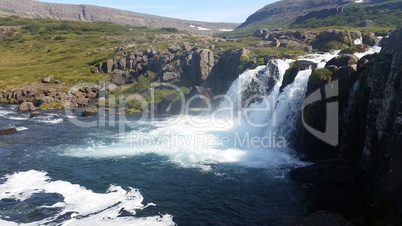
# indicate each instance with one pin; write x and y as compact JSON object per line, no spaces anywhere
{"x":296,"y":13}
{"x":91,"y":13}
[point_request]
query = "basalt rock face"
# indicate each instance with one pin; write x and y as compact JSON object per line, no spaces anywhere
{"x":382,"y":155}
{"x":203,"y":61}
{"x":370,"y":136}
{"x":225,"y":71}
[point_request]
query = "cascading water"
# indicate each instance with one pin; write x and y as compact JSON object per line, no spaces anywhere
{"x":372,"y":49}
{"x":275,"y":113}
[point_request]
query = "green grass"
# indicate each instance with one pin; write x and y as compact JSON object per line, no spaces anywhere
{"x":385,"y":14}
{"x":65,"y":49}
{"x":69,"y":50}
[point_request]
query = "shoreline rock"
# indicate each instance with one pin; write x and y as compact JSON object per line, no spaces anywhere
{"x":8,"y":131}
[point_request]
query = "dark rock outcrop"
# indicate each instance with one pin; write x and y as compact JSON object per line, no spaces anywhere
{"x":165,"y":106}
{"x":199,"y":98}
{"x":225,"y":71}
{"x":382,"y":156}
{"x":343,"y":60}
{"x":292,"y":72}
{"x":202,"y":61}
{"x":366,"y":178}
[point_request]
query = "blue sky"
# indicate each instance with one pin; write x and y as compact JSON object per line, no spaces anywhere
{"x":205,"y":10}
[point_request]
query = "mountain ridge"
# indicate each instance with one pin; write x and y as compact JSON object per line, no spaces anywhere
{"x":93,"y":13}
{"x":288,"y":12}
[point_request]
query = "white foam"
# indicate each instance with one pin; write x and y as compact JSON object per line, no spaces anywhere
{"x":50,"y":118}
{"x":4,"y":112}
{"x":21,"y":128}
{"x":358,"y":41}
{"x":87,"y":207}
{"x":18,"y":117}
{"x":201,"y":141}
{"x":289,"y":105}
{"x":371,"y":50}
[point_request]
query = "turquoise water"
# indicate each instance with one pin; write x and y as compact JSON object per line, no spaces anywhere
{"x":207,"y":185}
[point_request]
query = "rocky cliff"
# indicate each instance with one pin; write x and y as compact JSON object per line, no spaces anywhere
{"x":362,"y":176}
{"x":91,"y":13}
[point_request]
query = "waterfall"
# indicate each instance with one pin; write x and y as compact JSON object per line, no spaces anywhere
{"x":288,"y":108}
{"x":255,"y":83}
{"x":270,"y":112}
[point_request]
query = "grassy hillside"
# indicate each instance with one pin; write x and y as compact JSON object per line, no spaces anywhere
{"x":66,"y":50}
{"x":386,"y":14}
{"x":69,"y":50}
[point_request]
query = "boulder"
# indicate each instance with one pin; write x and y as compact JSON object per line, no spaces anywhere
{"x":275,"y":43}
{"x":169,"y":76}
{"x":341,"y":38}
{"x":89,"y":112}
{"x":111,"y":87}
{"x":202,"y":61}
{"x":47,"y":79}
{"x":150,"y":52}
{"x":26,"y":106}
{"x":91,"y":95}
{"x":261,"y":33}
{"x":366,"y":23}
{"x":165,"y":106}
{"x":305,"y":64}
{"x":186,"y":47}
{"x":361,"y":64}
{"x":368,"y":39}
{"x":289,"y":77}
{"x":173,"y":49}
{"x":158,"y":63}
{"x":8,"y":131}
{"x":200,"y":98}
{"x":108,"y":66}
{"x":118,"y":78}
{"x":81,"y":101}
{"x":122,"y":63}
{"x":43,"y":100}
{"x":343,"y":60}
